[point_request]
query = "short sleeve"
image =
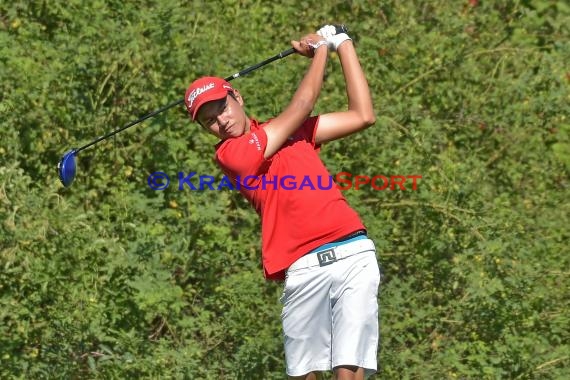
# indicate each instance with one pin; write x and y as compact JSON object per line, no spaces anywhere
{"x":243,"y":156}
{"x":308,"y":130}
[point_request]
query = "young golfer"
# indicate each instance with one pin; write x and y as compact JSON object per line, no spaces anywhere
{"x":311,"y":238}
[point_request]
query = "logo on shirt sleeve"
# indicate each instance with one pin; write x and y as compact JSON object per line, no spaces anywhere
{"x":255,"y":140}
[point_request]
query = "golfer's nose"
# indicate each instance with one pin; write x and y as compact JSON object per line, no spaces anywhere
{"x":222,"y":119}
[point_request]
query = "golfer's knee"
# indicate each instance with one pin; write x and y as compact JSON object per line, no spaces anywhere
{"x":308,"y":376}
{"x":349,"y":373}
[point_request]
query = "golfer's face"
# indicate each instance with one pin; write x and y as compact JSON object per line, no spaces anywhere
{"x":224,"y":118}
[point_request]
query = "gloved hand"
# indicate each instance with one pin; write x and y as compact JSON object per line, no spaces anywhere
{"x":335,"y":35}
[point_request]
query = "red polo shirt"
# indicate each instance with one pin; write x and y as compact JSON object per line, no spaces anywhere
{"x":300,"y":206}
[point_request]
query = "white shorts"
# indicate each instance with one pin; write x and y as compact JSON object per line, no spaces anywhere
{"x":330,"y":312}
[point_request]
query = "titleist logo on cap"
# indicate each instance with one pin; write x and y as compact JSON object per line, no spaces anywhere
{"x":200,"y":90}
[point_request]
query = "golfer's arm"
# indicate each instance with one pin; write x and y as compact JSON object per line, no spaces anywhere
{"x":301,"y":104}
{"x":360,"y":113}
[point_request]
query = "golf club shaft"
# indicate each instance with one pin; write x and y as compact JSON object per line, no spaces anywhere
{"x":132,"y":123}
{"x":283,"y":54}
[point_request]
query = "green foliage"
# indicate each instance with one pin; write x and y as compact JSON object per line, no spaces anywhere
{"x":109,"y":279}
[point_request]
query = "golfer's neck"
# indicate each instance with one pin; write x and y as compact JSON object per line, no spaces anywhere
{"x":247,"y":125}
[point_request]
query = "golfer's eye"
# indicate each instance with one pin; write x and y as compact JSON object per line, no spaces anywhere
{"x":207,"y":122}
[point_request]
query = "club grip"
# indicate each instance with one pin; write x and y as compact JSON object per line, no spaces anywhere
{"x":340,"y":28}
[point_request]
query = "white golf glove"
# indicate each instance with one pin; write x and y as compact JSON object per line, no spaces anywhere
{"x":329,"y":32}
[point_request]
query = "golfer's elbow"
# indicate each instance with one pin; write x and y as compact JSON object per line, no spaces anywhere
{"x":364,"y":114}
{"x":367,"y":118}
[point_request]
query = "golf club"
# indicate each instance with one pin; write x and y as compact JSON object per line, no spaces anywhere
{"x":67,"y":167}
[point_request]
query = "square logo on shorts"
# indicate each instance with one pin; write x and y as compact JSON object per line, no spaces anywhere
{"x":326,"y":257}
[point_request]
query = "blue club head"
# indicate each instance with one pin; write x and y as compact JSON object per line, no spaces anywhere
{"x":66,"y":168}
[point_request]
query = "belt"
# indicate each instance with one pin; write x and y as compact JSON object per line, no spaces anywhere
{"x":328,"y":255}
{"x":361,"y":234}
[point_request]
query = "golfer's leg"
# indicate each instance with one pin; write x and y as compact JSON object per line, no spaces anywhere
{"x":349,"y":373}
{"x":355,"y":314}
{"x":307,"y":321}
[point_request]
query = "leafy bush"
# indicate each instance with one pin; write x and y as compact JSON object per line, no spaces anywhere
{"x":109,"y":279}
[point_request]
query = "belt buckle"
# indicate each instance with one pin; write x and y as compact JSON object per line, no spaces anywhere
{"x":326,"y":257}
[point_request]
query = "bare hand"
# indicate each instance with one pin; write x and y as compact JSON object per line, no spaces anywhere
{"x":308,"y":44}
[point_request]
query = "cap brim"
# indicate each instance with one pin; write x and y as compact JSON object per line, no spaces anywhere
{"x":210,"y":98}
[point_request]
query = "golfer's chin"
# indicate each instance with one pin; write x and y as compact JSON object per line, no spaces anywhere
{"x":231,"y":133}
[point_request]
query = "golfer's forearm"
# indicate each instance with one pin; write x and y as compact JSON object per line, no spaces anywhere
{"x":358,"y":92}
{"x":301,"y":105}
{"x":307,"y":93}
